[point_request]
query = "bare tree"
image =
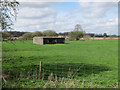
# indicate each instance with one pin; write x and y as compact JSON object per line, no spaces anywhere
{"x":78,"y":28}
{"x":8,"y":13}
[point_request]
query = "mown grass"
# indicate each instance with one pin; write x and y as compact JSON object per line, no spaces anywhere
{"x":94,"y":61}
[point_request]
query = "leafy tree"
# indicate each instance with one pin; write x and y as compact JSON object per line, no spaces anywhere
{"x":105,"y":34}
{"x":8,"y":13}
{"x":75,"y":35}
{"x":20,"y":38}
{"x":49,"y":33}
{"x":27,"y":36}
{"x":86,"y":37}
{"x":5,"y":35}
{"x":37,"y":33}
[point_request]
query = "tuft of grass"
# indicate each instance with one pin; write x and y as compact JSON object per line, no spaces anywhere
{"x":55,"y":82}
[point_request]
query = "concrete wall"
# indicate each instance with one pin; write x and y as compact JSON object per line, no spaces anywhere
{"x":38,"y":40}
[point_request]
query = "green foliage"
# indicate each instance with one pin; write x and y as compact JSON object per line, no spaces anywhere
{"x":97,"y":59}
{"x":105,"y":34}
{"x":5,"y":35}
{"x":27,"y":36}
{"x":75,"y":35}
{"x":37,"y":33}
{"x":8,"y":13}
{"x":21,"y":38}
{"x":86,"y":37}
{"x":49,"y":33}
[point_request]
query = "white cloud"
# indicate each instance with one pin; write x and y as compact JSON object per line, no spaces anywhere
{"x":36,"y":13}
{"x":36,"y":4}
{"x":109,"y":26}
{"x":112,"y":22}
{"x":84,"y":5}
{"x":31,"y":18}
{"x":69,"y":0}
{"x":98,"y":0}
{"x":93,"y":17}
{"x":96,"y":9}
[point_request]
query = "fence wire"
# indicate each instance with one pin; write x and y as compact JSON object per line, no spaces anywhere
{"x":59,"y":70}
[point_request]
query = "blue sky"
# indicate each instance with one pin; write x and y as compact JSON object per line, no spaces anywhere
{"x":65,"y":6}
{"x":94,"y":17}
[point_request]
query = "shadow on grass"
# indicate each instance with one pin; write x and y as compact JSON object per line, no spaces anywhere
{"x":67,"y":43}
{"x":59,"y":70}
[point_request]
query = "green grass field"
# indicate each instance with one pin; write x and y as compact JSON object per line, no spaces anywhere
{"x":94,"y":63}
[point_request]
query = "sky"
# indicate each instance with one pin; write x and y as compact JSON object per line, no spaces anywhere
{"x":94,"y":17}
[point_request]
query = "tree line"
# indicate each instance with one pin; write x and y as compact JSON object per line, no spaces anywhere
{"x":73,"y":35}
{"x":27,"y":35}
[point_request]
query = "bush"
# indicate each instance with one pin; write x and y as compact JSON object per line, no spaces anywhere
{"x":49,"y":33}
{"x":37,"y":33}
{"x":5,"y":35}
{"x":20,"y":38}
{"x":75,"y":35}
{"x":86,"y":37}
{"x":27,"y":36}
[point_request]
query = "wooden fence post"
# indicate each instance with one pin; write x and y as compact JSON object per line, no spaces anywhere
{"x":40,"y":69}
